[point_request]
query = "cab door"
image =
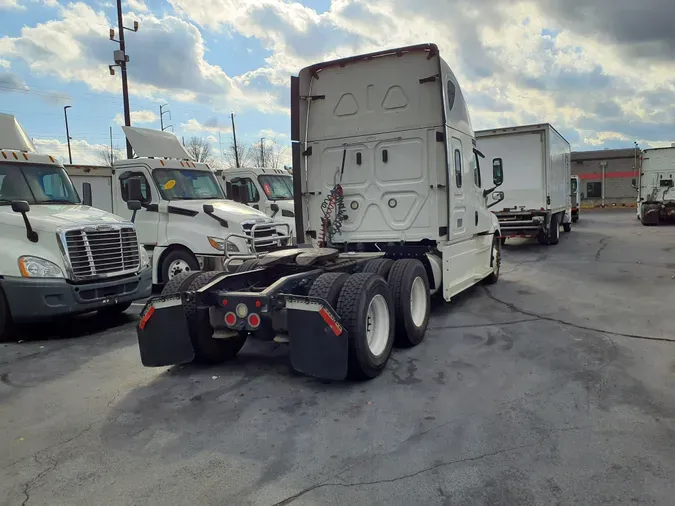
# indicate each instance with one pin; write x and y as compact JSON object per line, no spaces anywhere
{"x":460,"y":209}
{"x":148,"y":218}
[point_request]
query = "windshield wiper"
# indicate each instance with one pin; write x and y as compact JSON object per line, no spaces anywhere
{"x":57,"y":201}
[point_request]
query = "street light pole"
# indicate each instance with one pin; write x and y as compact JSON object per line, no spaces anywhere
{"x":262,"y":152}
{"x":234,"y":135}
{"x":65,"y":115}
{"x":123,"y":69}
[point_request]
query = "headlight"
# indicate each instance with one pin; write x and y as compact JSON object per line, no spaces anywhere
{"x":34,"y":267}
{"x":145,"y":259}
{"x":218,"y":244}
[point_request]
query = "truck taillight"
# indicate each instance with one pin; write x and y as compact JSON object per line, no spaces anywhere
{"x":230,"y":319}
{"x":253,"y":321}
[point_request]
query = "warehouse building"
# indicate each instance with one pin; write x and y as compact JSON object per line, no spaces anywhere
{"x":606,"y":176}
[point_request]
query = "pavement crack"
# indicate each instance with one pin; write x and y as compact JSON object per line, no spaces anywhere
{"x":604,"y":244}
{"x":29,"y":484}
{"x":516,"y":309}
{"x":474,"y":325}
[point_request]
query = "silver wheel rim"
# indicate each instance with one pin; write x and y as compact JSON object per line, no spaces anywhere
{"x":178,"y":267}
{"x":418,"y":302}
{"x":377,"y":325}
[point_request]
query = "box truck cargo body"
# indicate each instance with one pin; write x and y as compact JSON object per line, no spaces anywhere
{"x":656,"y":187}
{"x":537,"y":190}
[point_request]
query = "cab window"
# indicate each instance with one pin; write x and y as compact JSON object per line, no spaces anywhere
{"x":145,"y":187}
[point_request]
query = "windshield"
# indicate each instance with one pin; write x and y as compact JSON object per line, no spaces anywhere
{"x":36,"y":184}
{"x":277,"y":187}
{"x":187,"y":184}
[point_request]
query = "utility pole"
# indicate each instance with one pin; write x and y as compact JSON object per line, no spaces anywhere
{"x":234,"y":135}
{"x":162,"y":112}
{"x":65,"y":114}
{"x":262,"y":152}
{"x":121,"y":60}
{"x":112,"y":156}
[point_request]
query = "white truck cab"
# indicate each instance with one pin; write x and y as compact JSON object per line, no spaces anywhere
{"x":270,"y":190}
{"x":59,"y":256}
{"x":656,"y":186}
{"x":185,"y":222}
{"x":576,"y":198}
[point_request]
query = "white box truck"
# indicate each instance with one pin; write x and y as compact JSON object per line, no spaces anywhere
{"x":270,"y":190}
{"x":656,"y":192}
{"x":185,"y":222}
{"x":390,"y":208}
{"x":59,"y":256}
{"x":538,"y":199}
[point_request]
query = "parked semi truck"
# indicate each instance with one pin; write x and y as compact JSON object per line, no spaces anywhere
{"x":59,"y":256}
{"x":576,"y":198}
{"x":270,"y":190}
{"x":390,"y":208}
{"x":185,"y":223}
{"x":656,"y":192}
{"x":538,"y":197}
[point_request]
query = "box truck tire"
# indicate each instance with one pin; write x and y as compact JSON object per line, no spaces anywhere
{"x":410,"y":290}
{"x":366,"y":309}
{"x":176,"y":262}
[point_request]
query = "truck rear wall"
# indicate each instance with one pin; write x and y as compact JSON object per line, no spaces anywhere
{"x":559,"y":171}
{"x":523,"y":157}
{"x":658,"y":175}
{"x":378,"y":112}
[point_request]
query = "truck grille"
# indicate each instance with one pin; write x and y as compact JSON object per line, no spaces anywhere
{"x":265,"y":236}
{"x":102,"y":252}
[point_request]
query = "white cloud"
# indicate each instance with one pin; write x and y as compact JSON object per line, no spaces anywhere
{"x":271,"y":134}
{"x":136,"y":5}
{"x":212,"y":139}
{"x":83,"y":152}
{"x":5,"y":64}
{"x":11,"y":4}
{"x":138,"y":117}
{"x":212,"y":125}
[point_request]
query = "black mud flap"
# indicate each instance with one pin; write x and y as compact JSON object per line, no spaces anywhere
{"x":318,"y":345}
{"x":163,"y":333}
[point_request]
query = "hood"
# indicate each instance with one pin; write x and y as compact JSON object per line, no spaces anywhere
{"x":234,"y":210}
{"x":49,"y":217}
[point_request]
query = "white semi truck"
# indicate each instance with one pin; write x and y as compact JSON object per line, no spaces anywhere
{"x":390,"y":208}
{"x":59,"y":256}
{"x":270,"y":190}
{"x":185,"y":222}
{"x":538,"y":197}
{"x":656,"y":191}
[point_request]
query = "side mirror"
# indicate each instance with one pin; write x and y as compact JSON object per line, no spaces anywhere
{"x":497,"y":197}
{"x":20,"y":206}
{"x":86,"y":194}
{"x":236,"y":193}
{"x":275,"y":209}
{"x":497,"y":171}
{"x":208,"y":208}
{"x":135,"y":189}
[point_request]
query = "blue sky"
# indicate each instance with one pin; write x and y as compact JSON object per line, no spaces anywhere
{"x":570,"y":65}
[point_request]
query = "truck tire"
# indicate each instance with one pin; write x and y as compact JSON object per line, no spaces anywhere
{"x":248,"y":265}
{"x":575,"y":219}
{"x":115,"y":310}
{"x":5,"y":318}
{"x":495,"y":262}
{"x":554,"y":230}
{"x":207,"y":349}
{"x":176,"y":262}
{"x":379,"y":266}
{"x":328,"y":287}
{"x":366,"y":309}
{"x":567,"y":227}
{"x":409,"y":286}
{"x":180,"y":283}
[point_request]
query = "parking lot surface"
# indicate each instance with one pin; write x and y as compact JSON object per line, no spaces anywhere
{"x":554,"y":386}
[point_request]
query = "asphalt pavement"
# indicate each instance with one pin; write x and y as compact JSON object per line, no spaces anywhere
{"x":554,"y":386}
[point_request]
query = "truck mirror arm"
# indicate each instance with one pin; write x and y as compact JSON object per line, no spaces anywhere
{"x":22,"y":207}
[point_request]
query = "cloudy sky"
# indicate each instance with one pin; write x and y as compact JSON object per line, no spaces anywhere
{"x":601,"y":71}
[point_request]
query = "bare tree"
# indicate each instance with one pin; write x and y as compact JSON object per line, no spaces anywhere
{"x":200,"y":150}
{"x":108,"y":157}
{"x":245,"y":152}
{"x":268,"y":154}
